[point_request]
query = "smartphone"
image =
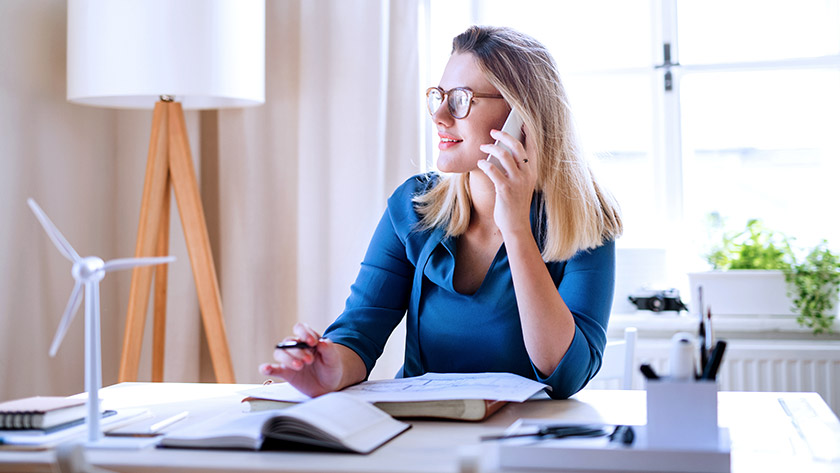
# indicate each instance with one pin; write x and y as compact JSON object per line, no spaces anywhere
{"x":513,"y":127}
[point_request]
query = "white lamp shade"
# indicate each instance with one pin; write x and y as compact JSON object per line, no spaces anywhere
{"x":127,"y":53}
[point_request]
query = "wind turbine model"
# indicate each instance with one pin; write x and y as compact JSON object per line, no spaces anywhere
{"x":88,"y":271}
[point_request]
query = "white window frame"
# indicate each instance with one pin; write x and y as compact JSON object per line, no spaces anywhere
{"x":668,"y":155}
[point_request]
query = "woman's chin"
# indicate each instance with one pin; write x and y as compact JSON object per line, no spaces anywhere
{"x":444,"y":165}
{"x":453,"y":167}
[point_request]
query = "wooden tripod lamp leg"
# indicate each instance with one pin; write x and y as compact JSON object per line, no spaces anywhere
{"x":161,"y":280}
{"x":154,"y":189}
{"x":198,"y":243}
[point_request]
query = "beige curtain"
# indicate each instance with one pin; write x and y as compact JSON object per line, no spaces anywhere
{"x":292,"y":189}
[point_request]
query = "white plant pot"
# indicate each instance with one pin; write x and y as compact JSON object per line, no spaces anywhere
{"x":742,"y":292}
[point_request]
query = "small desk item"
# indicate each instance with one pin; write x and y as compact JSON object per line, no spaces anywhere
{"x":462,"y":396}
{"x":40,"y":412}
{"x":43,"y":439}
{"x":601,"y":453}
{"x":715,"y":359}
{"x":335,"y":421}
{"x":150,"y":427}
{"x":292,"y":344}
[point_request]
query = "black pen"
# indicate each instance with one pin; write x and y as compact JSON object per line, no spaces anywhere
{"x":710,"y":332}
{"x":292,"y":344}
{"x":704,"y":354}
{"x":713,"y":365}
{"x":555,"y":432}
{"x":702,"y":342}
{"x":647,"y":370}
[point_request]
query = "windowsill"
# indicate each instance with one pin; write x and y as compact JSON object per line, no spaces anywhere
{"x":665,"y":324}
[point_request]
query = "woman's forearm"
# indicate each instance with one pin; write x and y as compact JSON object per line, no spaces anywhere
{"x":353,"y":369}
{"x":547,"y":324}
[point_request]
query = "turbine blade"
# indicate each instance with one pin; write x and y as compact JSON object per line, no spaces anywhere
{"x":127,"y":263}
{"x":57,"y":238}
{"x":69,"y":313}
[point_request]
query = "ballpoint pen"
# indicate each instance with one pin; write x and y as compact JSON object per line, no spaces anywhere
{"x":554,"y":432}
{"x":710,"y":373}
{"x":701,"y":334}
{"x":710,"y":332}
{"x":704,"y":354}
{"x":292,"y":344}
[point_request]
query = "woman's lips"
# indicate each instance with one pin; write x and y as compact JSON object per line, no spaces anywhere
{"x":447,"y":141}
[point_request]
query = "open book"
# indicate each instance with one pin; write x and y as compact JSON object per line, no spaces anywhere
{"x":456,"y":396}
{"x":334,"y":421}
{"x":453,"y":409}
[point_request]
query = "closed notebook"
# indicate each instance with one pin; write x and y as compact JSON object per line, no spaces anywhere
{"x":335,"y":421}
{"x":40,"y":412}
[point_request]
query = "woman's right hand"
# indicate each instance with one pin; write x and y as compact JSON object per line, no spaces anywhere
{"x":313,"y":371}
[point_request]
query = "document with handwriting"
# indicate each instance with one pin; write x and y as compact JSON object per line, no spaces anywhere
{"x":428,"y":387}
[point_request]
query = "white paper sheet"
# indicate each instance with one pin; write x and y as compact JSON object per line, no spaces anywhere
{"x":428,"y":387}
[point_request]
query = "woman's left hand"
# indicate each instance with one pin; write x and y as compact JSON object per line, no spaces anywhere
{"x":514,"y":185}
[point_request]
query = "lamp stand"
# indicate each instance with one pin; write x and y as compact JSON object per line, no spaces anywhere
{"x":170,"y":165}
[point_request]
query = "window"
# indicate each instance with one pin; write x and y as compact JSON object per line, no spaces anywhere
{"x":747,"y":124}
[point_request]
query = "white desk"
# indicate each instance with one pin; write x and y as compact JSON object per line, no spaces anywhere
{"x":761,"y":434}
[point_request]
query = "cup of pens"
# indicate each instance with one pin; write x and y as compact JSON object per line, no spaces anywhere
{"x":682,"y":405}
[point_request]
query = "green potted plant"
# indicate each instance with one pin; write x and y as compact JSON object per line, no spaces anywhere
{"x":756,"y":272}
{"x":813,"y":285}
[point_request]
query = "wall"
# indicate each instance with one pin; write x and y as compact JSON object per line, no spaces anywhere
{"x":292,"y":189}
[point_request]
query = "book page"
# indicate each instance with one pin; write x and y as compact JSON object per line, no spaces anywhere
{"x":440,"y":386}
{"x":277,"y":392}
{"x":429,"y":387}
{"x":337,"y":420}
{"x":231,"y":430}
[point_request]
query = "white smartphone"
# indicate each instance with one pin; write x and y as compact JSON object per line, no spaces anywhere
{"x":513,"y":127}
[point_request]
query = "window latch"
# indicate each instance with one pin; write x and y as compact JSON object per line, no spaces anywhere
{"x":667,"y":65}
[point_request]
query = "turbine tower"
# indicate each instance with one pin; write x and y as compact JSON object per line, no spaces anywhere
{"x":87,"y":271}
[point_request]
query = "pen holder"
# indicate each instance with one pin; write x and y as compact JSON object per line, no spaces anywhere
{"x":682,"y":414}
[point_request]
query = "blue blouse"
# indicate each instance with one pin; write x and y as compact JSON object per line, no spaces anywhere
{"x":409,"y":272}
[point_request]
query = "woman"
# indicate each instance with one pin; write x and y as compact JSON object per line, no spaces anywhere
{"x":505,"y":269}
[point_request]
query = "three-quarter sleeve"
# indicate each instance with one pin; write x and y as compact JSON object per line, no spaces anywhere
{"x":587,"y":286}
{"x":379,"y":297}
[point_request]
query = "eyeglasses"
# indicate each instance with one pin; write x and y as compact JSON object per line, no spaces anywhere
{"x":458,"y":99}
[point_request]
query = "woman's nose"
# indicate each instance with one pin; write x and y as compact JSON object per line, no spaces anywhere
{"x":442,"y":115}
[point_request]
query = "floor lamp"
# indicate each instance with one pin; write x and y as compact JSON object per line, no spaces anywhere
{"x":170,"y":56}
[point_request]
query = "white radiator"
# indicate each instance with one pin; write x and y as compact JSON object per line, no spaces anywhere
{"x":766,"y":365}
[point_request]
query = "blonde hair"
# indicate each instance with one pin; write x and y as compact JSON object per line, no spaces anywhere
{"x":575,"y":212}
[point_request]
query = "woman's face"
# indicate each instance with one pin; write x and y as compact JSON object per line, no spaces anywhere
{"x":460,"y":138}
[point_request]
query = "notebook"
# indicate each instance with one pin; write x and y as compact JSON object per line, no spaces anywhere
{"x":335,"y":421}
{"x":40,"y":412}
